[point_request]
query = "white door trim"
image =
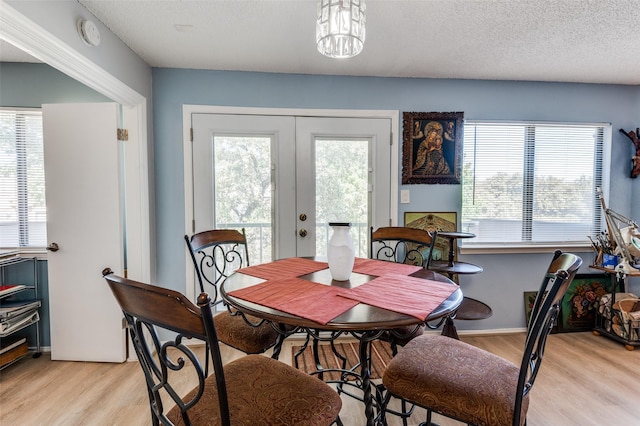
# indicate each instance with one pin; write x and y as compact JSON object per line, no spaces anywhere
{"x":188,"y":110}
{"x":25,"y":34}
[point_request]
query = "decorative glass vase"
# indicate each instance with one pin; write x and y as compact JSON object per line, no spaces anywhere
{"x":340,"y":253}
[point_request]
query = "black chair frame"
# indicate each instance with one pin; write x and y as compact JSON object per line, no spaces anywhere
{"x":155,"y":357}
{"x":401,"y":245}
{"x":544,"y":316}
{"x":217,"y":254}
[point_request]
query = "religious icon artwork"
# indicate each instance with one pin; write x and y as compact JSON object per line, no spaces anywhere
{"x":432,"y":147}
{"x":435,"y":222}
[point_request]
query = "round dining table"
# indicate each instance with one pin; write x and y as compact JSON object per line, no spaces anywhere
{"x":363,"y":321}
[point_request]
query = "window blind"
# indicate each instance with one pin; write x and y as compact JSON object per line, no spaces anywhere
{"x":531,"y":183}
{"x":23,"y":215}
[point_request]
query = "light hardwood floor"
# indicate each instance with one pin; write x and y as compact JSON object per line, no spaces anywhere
{"x":585,"y":380}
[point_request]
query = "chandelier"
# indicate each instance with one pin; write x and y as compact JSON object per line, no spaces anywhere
{"x":340,"y":28}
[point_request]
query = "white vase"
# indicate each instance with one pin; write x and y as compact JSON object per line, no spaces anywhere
{"x":340,"y":253}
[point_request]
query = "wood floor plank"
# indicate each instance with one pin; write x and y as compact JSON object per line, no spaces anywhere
{"x":584,"y":379}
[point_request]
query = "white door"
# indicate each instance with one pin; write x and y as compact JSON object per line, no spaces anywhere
{"x":243,"y":169}
{"x":279,"y":178}
{"x":83,"y":175}
{"x":343,"y":174}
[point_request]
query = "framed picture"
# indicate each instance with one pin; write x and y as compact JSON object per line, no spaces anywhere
{"x":435,"y":221}
{"x":432,"y":147}
{"x":580,"y":303}
{"x":529,"y":300}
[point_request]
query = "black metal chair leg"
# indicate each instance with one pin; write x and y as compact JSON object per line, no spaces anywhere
{"x":279,"y":341}
{"x":316,"y":359}
{"x":302,"y":349}
{"x":339,"y":355}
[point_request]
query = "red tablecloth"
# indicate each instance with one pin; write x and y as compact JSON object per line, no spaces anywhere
{"x":399,"y":293}
{"x":393,"y":289}
{"x":284,"y":268}
{"x":378,"y":268}
{"x":306,"y":299}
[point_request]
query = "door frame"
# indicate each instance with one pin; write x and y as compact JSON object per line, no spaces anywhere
{"x":25,"y":34}
{"x":188,"y":110}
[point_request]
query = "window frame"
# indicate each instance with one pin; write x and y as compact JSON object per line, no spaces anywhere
{"x":602,"y":154}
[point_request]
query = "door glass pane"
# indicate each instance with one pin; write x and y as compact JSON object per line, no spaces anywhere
{"x":342,"y":190}
{"x":243,"y":193}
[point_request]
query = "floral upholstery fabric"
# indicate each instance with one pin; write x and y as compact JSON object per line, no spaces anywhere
{"x":234,"y":331}
{"x":455,"y":379}
{"x":263,"y":391}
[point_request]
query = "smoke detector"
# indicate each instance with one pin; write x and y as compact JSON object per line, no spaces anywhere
{"x":89,"y":32}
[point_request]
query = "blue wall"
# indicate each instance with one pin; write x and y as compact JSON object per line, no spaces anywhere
{"x":31,"y":85}
{"x":506,"y":277}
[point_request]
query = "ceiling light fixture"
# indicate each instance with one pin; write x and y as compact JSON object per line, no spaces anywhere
{"x":340,"y":27}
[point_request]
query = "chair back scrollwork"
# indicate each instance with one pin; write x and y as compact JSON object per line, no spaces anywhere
{"x":216,"y":254}
{"x":402,"y":245}
{"x":149,"y":309}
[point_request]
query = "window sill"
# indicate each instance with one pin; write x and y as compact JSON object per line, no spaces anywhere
{"x":518,"y":249}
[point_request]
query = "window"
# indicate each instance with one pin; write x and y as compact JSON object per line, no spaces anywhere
{"x":531,"y":184}
{"x":23,"y":215}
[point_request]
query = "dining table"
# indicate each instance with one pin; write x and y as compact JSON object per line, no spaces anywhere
{"x":299,"y":295}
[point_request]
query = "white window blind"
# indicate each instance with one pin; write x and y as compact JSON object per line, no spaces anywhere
{"x":528,"y":184}
{"x":23,"y":215}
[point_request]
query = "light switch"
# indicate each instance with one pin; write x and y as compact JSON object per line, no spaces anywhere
{"x":404,"y":196}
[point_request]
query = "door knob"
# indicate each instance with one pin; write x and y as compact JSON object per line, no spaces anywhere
{"x":53,"y":247}
{"x":303,"y":217}
{"x":303,"y":233}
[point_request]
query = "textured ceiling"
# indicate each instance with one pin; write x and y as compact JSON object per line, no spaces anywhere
{"x":594,"y":41}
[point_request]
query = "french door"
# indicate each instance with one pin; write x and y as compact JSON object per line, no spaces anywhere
{"x":284,"y":178}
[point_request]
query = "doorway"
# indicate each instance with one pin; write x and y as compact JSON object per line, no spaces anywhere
{"x":285,"y":177}
{"x":28,"y":35}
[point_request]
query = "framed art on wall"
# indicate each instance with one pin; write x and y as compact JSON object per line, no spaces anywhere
{"x":432,"y":147}
{"x":434,"y":221}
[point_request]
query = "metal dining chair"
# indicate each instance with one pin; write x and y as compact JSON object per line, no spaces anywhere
{"x":216,"y":254}
{"x":460,"y":381}
{"x":401,"y":245}
{"x":253,"y":390}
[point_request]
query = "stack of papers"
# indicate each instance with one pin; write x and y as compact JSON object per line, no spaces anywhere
{"x":16,"y":315}
{"x":13,"y":309}
{"x":6,"y":290}
{"x":18,"y":322}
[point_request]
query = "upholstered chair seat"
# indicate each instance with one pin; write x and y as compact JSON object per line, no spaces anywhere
{"x":234,"y":331}
{"x":273,"y":394}
{"x":456,"y":379}
{"x":253,"y":390}
{"x":216,"y":254}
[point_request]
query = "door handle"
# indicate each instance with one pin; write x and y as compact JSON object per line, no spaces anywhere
{"x":53,"y":247}
{"x":303,"y":233}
